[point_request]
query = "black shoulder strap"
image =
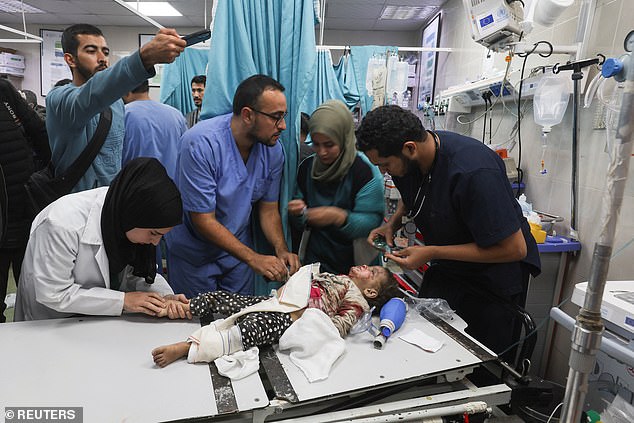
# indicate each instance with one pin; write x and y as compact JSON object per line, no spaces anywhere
{"x":79,"y":167}
{"x":16,"y":119}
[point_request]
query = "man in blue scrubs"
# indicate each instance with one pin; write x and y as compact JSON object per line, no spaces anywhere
{"x":152,"y":129}
{"x":73,"y":110}
{"x":228,"y":167}
{"x":476,"y":239}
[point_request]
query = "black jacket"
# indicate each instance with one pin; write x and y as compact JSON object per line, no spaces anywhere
{"x":23,"y":148}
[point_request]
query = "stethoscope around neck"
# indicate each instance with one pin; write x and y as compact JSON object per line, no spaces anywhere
{"x":427,"y":185}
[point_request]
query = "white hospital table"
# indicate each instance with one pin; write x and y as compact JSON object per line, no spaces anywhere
{"x":104,"y":365}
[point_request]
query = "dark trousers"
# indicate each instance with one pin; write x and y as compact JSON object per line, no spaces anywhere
{"x":488,"y":320}
{"x":9,"y":257}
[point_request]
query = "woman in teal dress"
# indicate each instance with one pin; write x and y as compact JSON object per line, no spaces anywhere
{"x":340,"y":193}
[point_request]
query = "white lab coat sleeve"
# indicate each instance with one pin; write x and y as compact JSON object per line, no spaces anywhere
{"x":55,"y":254}
{"x":131,"y":283}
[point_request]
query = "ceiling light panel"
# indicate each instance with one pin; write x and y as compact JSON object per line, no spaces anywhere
{"x":406,"y":12}
{"x":154,"y":8}
{"x":16,"y":6}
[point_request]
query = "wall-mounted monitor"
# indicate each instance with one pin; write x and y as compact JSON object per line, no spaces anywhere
{"x":428,"y":62}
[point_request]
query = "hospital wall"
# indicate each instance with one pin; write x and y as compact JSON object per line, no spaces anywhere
{"x":551,"y":193}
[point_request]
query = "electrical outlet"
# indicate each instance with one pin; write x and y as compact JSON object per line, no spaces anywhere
{"x":459,"y":104}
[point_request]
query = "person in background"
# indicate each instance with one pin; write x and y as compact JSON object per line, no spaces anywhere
{"x":340,"y":193}
{"x":152,"y":129}
{"x":31,"y":100}
{"x":477,"y":241}
{"x":63,"y":82}
{"x":73,"y":109}
{"x":344,"y":298}
{"x":93,"y":252}
{"x":23,"y":150}
{"x":305,"y":150}
{"x":230,"y":166}
{"x":198,"y":92}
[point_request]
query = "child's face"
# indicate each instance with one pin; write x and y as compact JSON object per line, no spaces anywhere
{"x":368,"y":277}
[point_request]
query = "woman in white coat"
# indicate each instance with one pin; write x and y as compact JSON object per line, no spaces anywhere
{"x":93,"y":252}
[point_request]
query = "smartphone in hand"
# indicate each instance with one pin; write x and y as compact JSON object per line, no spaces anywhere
{"x":380,"y":244}
{"x":197,"y":37}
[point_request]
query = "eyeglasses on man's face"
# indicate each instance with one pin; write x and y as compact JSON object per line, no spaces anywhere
{"x":278,"y":118}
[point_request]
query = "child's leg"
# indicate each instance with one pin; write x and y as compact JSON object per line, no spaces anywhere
{"x":221,"y":302}
{"x":208,"y":343}
{"x":253,"y":329}
{"x":263,"y":328}
{"x":169,"y":353}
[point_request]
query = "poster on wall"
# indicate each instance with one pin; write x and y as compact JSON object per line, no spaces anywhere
{"x":429,"y":59}
{"x":156,"y":80}
{"x":52,"y":65}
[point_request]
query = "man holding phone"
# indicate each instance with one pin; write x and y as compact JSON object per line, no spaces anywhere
{"x":73,"y":110}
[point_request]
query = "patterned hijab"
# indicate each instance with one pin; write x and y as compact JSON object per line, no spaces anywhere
{"x":334,"y":120}
{"x":140,"y":196}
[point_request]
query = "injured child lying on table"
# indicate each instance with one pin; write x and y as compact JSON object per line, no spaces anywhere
{"x":324,"y":305}
{"x":363,"y":382}
{"x":313,"y":348}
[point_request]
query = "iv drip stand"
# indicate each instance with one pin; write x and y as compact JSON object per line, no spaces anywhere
{"x":577,"y":75}
{"x":588,"y":330}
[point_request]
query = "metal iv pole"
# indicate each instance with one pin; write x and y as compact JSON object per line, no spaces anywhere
{"x":586,"y":336}
{"x":577,"y":75}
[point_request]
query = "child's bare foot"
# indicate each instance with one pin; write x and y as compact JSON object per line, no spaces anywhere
{"x":169,"y":353}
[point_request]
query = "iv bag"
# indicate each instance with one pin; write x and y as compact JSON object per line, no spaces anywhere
{"x":551,"y":99}
{"x":396,"y":76}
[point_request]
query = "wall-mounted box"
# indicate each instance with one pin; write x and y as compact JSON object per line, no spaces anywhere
{"x":9,"y":70}
{"x":12,"y":60}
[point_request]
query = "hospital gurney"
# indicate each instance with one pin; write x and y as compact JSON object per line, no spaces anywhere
{"x":103,"y":364}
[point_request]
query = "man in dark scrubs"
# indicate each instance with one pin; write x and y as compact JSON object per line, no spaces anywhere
{"x":476,"y":239}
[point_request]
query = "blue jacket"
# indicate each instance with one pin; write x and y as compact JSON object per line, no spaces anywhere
{"x":72,"y":114}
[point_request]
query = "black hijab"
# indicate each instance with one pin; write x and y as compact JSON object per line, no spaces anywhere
{"x":140,"y":196}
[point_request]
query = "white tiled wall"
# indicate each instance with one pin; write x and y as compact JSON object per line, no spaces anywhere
{"x":551,"y":193}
